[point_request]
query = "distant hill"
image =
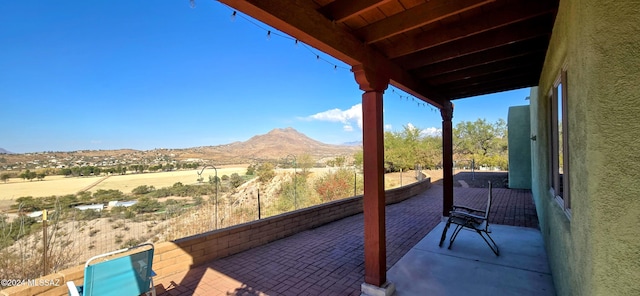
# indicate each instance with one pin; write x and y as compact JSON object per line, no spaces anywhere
{"x":354,"y":143}
{"x":274,"y":145}
{"x":4,"y":151}
{"x":277,"y":143}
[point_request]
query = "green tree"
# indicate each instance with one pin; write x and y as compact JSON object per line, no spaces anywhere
{"x":305,"y":163}
{"x":251,"y":169}
{"x":482,"y":141}
{"x":65,"y":172}
{"x":235,"y":180}
{"x":358,"y":159}
{"x":28,"y":175}
{"x":265,"y":172}
{"x":292,"y":194}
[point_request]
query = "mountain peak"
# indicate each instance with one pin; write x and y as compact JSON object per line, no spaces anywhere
{"x":4,"y":151}
{"x":282,"y":141}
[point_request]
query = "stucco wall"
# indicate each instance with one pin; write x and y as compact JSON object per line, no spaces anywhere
{"x":596,"y":249}
{"x":519,"y":131}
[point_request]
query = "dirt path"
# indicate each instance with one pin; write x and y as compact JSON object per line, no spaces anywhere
{"x":94,"y":184}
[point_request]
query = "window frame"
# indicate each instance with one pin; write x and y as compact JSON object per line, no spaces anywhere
{"x":555,"y":179}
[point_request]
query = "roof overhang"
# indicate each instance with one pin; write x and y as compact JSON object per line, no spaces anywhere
{"x":436,"y":50}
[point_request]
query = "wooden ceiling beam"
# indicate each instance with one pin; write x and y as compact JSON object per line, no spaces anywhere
{"x":300,"y":19}
{"x":492,"y":39}
{"x":489,"y":89}
{"x":489,"y":68}
{"x":416,"y":17}
{"x":491,"y":79}
{"x":341,"y":10}
{"x":528,"y":47}
{"x":505,"y":15}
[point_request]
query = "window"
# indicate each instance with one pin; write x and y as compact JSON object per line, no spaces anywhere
{"x":559,"y":144}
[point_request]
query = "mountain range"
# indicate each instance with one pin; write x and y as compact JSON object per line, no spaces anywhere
{"x":276,"y":144}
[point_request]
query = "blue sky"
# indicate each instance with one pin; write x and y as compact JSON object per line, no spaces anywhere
{"x":160,"y":74}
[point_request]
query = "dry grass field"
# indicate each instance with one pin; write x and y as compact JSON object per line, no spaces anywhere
{"x":126,"y":183}
{"x":59,"y":185}
{"x":52,"y":185}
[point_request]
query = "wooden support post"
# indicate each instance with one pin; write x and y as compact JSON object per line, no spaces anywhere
{"x":375,"y":260}
{"x":447,"y":158}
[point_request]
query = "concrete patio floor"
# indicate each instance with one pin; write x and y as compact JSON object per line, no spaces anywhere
{"x":329,"y":260}
{"x":471,"y":268}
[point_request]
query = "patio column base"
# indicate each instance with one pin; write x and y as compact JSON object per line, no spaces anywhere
{"x":387,"y":289}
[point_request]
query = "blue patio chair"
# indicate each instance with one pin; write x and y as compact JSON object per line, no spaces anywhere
{"x":473,"y":219}
{"x":122,"y":272}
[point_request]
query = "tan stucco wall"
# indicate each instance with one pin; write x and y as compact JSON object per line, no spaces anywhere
{"x":597,"y":250}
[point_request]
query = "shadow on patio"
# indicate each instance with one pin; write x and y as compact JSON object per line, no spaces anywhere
{"x":329,"y":260}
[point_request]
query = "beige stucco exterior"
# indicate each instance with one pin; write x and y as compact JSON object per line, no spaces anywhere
{"x":594,"y":250}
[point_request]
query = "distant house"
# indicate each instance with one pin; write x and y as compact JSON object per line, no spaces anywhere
{"x":95,"y":207}
{"x":125,"y":204}
{"x":35,"y":214}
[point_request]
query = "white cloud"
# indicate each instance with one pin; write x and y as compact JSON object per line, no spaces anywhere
{"x":427,"y":132}
{"x":431,"y":131}
{"x":388,"y":127}
{"x":347,"y":117}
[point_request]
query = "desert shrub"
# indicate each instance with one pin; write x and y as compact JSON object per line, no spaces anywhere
{"x":335,"y":185}
{"x":236,"y":180}
{"x":86,"y":215}
{"x":159,"y":193}
{"x":68,"y":200}
{"x":85,"y":196}
{"x":142,"y":189}
{"x":103,"y":195}
{"x":93,"y":232}
{"x":146,"y":205}
{"x":14,"y":230}
{"x":198,"y":200}
{"x":117,"y":225}
{"x":132,"y":242}
{"x":27,"y":204}
{"x":266,"y":172}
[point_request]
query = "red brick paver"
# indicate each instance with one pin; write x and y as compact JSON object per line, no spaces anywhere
{"x":329,"y":260}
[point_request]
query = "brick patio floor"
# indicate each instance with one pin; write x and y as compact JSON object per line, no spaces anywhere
{"x":329,"y":260}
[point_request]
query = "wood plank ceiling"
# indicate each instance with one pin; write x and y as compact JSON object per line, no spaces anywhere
{"x":437,"y":50}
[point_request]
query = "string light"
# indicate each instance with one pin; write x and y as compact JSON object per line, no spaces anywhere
{"x":297,"y":42}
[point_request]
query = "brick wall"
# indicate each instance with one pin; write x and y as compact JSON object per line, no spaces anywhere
{"x":184,"y":253}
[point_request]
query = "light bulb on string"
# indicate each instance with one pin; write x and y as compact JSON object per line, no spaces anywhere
{"x":296,"y":43}
{"x":269,"y":35}
{"x":233,"y":16}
